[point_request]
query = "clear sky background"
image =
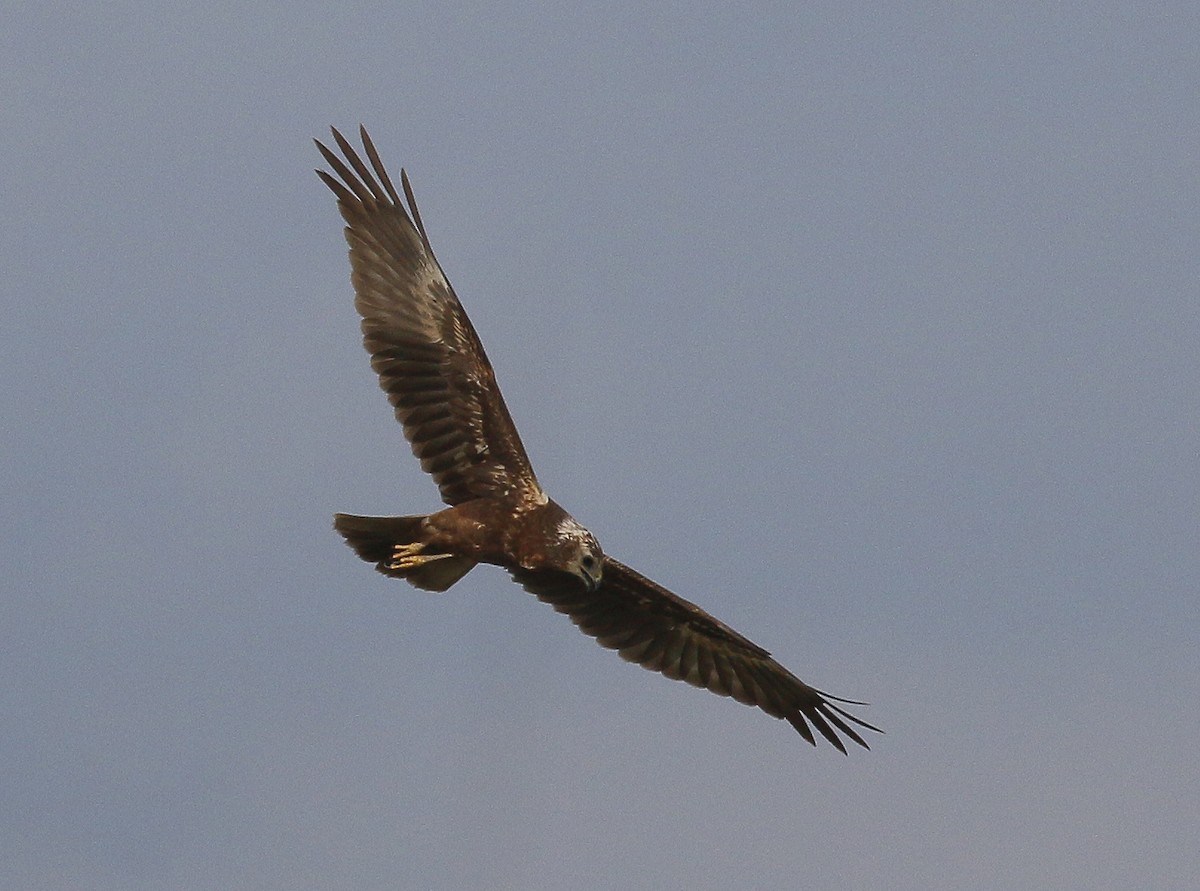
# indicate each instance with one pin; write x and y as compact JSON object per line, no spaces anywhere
{"x":873,"y":329}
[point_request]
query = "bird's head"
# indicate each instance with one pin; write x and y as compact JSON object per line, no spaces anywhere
{"x":579,"y":553}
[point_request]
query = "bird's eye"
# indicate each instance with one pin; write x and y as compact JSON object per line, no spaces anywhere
{"x":588,"y":561}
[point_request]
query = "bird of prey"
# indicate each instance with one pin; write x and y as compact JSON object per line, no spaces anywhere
{"x":433,"y":368}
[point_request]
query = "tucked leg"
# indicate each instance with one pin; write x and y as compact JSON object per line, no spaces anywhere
{"x":410,"y":556}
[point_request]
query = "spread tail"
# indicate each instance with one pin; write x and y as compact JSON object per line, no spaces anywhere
{"x":396,"y":546}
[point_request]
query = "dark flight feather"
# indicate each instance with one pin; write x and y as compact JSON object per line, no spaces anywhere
{"x":423,"y":347}
{"x":659,"y":630}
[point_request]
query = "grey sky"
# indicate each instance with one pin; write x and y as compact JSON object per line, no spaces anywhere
{"x":872,"y":330}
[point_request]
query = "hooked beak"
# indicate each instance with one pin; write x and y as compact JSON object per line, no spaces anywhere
{"x":591,"y":582}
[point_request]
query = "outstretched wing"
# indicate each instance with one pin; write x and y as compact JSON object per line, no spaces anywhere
{"x":647,"y":624}
{"x":423,"y":347}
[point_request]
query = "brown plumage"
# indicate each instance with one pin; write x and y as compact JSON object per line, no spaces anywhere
{"x":438,"y":379}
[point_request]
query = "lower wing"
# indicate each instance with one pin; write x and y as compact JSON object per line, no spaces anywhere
{"x":647,"y":624}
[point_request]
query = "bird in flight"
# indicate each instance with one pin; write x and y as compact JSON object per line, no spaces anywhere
{"x":433,"y":368}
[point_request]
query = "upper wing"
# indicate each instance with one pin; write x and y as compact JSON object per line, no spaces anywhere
{"x":647,"y":624}
{"x":423,"y":347}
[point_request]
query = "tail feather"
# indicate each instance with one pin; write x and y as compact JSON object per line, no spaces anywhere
{"x":374,"y":539}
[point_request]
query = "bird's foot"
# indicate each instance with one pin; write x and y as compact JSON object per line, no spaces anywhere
{"x":409,"y":556}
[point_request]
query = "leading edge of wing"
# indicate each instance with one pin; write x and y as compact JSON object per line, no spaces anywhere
{"x":650,"y":626}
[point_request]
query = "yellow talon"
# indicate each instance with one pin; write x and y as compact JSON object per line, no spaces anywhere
{"x":409,"y":556}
